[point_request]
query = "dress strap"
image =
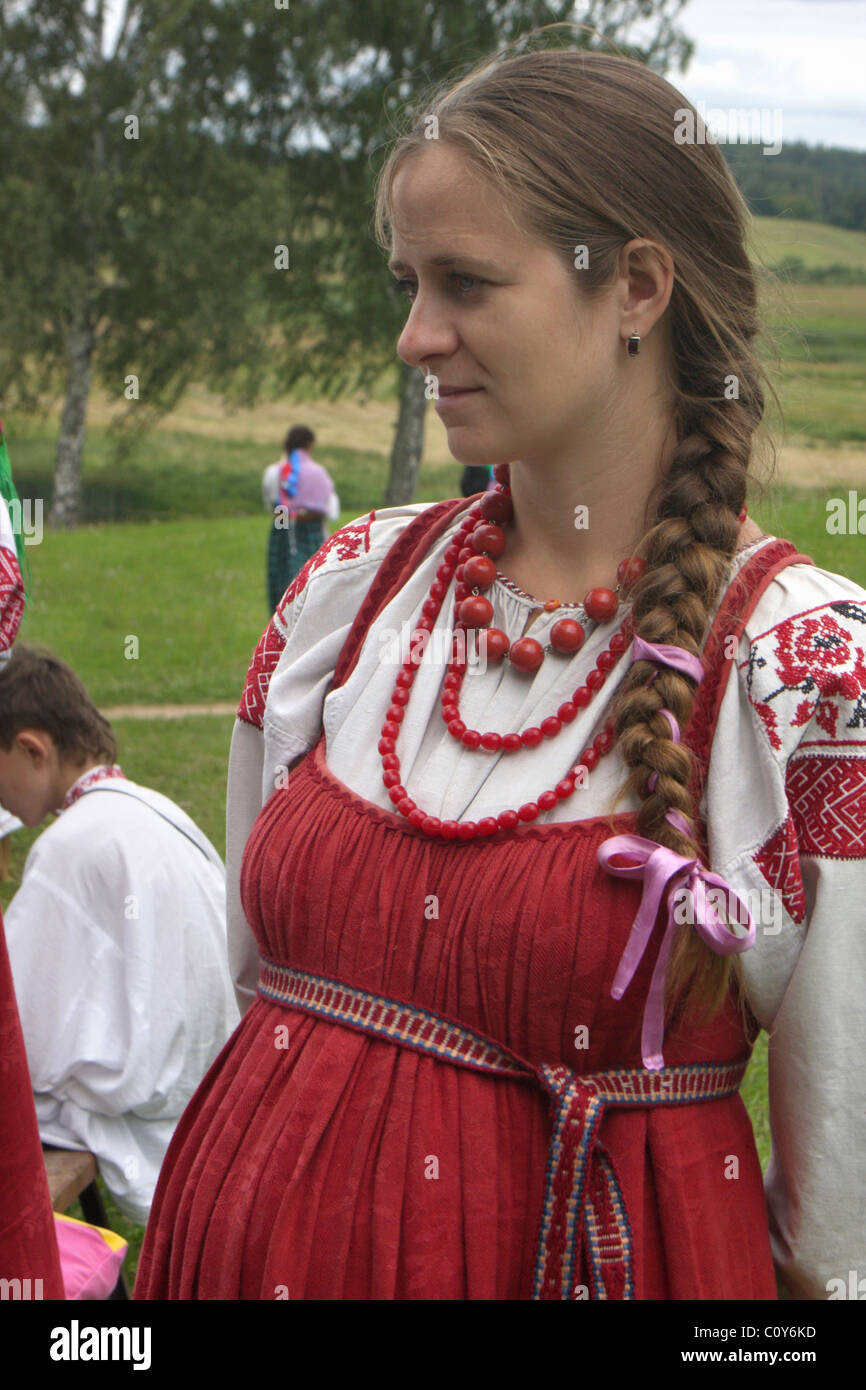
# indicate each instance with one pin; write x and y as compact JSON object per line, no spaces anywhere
{"x":740,"y":600}
{"x":583,"y":1202}
{"x":398,"y":565}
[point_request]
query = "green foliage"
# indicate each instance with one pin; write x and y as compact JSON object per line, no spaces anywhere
{"x":816,"y":184}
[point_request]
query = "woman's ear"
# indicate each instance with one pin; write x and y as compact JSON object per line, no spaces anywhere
{"x":646,"y":282}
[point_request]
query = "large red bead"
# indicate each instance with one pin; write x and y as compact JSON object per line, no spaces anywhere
{"x":551,"y":726}
{"x":629,"y":570}
{"x":467,"y":830}
{"x":489,"y":539}
{"x":567,"y":635}
{"x":471,"y":738}
{"x":475,"y":611}
{"x":492,"y":643}
{"x":601,"y":604}
{"x":491,"y":741}
{"x":595,"y":680}
{"x":567,"y":712}
{"x":507,"y":819}
{"x":479,"y":572}
{"x":529,"y":811}
{"x":487,"y":825}
{"x":511,"y":742}
{"x":448,"y":829}
{"x":496,"y":506}
{"x":430,"y":825}
{"x":547,"y":801}
{"x":526,"y":654}
{"x":606,"y":661}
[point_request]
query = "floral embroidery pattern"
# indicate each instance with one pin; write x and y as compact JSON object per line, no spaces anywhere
{"x":349,"y":542}
{"x":819,"y":656}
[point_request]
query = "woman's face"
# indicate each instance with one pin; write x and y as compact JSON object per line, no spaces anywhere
{"x":504,"y":315}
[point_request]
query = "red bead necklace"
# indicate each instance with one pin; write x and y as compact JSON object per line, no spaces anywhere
{"x":480,"y":538}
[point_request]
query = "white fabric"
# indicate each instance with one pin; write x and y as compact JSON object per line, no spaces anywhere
{"x":8,"y":823}
{"x":7,"y":535}
{"x":117,"y":944}
{"x":804,"y":981}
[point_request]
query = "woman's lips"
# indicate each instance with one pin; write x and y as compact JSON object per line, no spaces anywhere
{"x":455,"y":398}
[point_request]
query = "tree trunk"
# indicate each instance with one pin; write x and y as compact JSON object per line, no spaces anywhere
{"x":408,"y":440}
{"x":66,"y":504}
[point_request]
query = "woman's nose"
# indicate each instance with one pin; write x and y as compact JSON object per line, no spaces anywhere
{"x":426,"y":334}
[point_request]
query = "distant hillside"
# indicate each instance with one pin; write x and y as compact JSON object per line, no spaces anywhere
{"x":811,"y":183}
{"x":810,"y":252}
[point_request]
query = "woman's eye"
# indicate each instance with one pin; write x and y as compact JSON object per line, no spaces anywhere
{"x":407,"y":288}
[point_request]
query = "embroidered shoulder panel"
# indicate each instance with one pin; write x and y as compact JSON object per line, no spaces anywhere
{"x":779,"y":862}
{"x":348,"y":543}
{"x":812,"y":665}
{"x":255,"y":693}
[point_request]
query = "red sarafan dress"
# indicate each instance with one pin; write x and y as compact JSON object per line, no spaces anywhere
{"x":28,"y":1244}
{"x":319,"y":1161}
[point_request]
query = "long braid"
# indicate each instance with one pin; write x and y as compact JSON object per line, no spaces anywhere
{"x":688,"y":552}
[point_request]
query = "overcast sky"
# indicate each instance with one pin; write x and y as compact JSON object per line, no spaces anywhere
{"x":805,"y":58}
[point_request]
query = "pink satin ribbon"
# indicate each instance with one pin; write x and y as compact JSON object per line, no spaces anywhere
{"x":662,"y":871}
{"x":674,"y":657}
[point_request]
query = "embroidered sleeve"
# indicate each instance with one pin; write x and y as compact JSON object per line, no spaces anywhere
{"x":805,"y":678}
{"x":348,"y":543}
{"x":280,"y":711}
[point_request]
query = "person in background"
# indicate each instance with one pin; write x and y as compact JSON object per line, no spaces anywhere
{"x":476,"y":479}
{"x":302,"y":498}
{"x":116,"y":937}
{"x":28,"y":1243}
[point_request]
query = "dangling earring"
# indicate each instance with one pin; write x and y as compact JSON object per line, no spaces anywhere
{"x":633,"y":345}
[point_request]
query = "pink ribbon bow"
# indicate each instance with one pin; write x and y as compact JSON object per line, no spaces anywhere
{"x":662,"y":870}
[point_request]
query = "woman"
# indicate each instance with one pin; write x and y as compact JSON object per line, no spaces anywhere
{"x":300,"y":495}
{"x":29,"y":1256}
{"x":470,"y":1065}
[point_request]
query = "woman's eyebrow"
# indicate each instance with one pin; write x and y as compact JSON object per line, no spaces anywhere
{"x":400,"y":266}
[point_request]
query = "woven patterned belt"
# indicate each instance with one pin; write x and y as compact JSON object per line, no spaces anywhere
{"x":582,"y":1199}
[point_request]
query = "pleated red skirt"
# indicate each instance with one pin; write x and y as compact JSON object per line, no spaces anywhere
{"x":317,"y":1162}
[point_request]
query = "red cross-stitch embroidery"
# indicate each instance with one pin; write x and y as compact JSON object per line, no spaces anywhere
{"x":349,"y":542}
{"x":818,"y":655}
{"x":265,"y":657}
{"x":827,"y":796}
{"x":779,"y":863}
{"x":11,"y":598}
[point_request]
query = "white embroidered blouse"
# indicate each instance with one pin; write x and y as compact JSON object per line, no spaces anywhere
{"x":784,"y":805}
